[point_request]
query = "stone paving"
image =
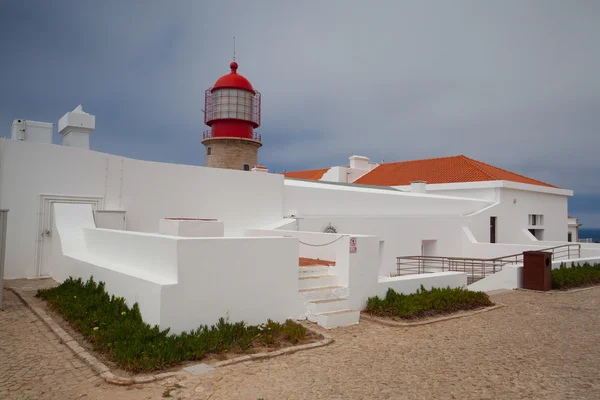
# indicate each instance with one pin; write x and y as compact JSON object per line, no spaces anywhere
{"x":540,"y":346}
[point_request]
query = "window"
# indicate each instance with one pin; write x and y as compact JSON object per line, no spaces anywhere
{"x":208,"y":151}
{"x":246,"y":167}
{"x":570,"y":237}
{"x":536,"y":220}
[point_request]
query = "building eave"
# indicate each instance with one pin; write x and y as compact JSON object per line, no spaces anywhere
{"x":494,"y":184}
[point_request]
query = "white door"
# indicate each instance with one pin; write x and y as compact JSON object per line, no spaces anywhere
{"x":45,"y":232}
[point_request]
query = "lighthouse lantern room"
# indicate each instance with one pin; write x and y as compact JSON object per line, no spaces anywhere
{"x":232,"y":111}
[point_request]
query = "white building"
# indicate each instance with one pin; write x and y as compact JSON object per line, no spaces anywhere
{"x":573,"y":229}
{"x":192,"y":244}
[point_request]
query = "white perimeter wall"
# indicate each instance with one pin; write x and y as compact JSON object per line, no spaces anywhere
{"x":181,"y":283}
{"x":306,"y":199}
{"x":400,"y":236}
{"x":148,"y":191}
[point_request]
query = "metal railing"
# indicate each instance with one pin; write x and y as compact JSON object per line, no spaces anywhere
{"x":586,"y":240}
{"x":255,"y":135}
{"x":476,"y":268}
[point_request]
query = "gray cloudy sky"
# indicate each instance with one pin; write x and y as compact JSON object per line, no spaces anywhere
{"x":513,"y":83}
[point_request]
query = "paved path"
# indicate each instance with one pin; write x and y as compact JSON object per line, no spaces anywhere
{"x":540,"y":346}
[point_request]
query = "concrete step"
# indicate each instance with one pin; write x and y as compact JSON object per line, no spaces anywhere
{"x":327,"y":305}
{"x":326,"y":292}
{"x":315,"y":270}
{"x":316,"y":281}
{"x":336,"y":319}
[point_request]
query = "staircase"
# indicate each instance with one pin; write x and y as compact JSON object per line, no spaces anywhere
{"x":326,"y":302}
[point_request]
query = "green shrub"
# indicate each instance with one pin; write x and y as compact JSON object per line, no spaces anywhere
{"x":426,"y":303}
{"x":119,"y":332}
{"x":563,"y":277}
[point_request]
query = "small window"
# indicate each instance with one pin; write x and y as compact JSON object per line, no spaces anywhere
{"x":570,"y":237}
{"x":208,"y":151}
{"x":246,"y":167}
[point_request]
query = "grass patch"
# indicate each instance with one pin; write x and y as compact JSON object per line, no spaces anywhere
{"x":580,"y":275}
{"x":119,"y":332}
{"x":425,"y":303}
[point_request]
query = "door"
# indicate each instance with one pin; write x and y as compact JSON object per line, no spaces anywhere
{"x":492,"y":229}
{"x":44,"y":246}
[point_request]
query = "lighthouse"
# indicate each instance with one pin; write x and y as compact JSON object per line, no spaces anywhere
{"x":232,"y":111}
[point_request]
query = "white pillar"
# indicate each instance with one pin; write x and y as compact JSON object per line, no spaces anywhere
{"x":75,"y":128}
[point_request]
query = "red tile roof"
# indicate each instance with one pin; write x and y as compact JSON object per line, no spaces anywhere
{"x":433,"y":170}
{"x":441,"y":170}
{"x":313,"y":174}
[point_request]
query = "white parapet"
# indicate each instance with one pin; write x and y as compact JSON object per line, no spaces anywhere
{"x":75,"y":127}
{"x":32,"y":131}
{"x":191,"y":227}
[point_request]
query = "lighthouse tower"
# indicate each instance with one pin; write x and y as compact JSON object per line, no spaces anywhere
{"x":232,"y":111}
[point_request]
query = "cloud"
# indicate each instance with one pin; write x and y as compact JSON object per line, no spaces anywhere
{"x":509,"y":83}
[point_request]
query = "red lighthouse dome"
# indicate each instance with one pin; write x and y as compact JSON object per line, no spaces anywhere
{"x":233,"y":80}
{"x":232,"y":111}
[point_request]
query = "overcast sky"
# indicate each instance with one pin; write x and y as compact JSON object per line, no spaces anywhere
{"x":511,"y":83}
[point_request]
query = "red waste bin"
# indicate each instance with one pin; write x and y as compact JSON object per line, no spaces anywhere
{"x":537,"y":270}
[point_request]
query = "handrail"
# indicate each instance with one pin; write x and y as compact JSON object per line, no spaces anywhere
{"x":476,"y":268}
{"x":490,"y":259}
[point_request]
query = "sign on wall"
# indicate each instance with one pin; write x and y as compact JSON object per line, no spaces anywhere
{"x":352,"y":245}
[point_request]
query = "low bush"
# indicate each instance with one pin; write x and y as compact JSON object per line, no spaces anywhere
{"x":119,"y":332}
{"x":586,"y":274}
{"x":426,"y":302}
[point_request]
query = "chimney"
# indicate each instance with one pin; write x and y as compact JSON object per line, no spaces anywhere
{"x":75,"y":128}
{"x":359,"y":162}
{"x":260,"y":168}
{"x":418,"y":186}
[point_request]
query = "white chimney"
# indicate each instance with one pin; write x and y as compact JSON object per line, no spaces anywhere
{"x":359,"y":162}
{"x":75,"y":127}
{"x":418,"y":186}
{"x":260,"y":168}
{"x":31,"y":131}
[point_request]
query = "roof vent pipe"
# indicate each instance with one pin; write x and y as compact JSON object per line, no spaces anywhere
{"x":418,"y":186}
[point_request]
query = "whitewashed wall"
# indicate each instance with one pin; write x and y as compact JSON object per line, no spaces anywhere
{"x":578,"y":261}
{"x":322,"y":246}
{"x":512,"y":214}
{"x":179,"y":282}
{"x":309,"y":199}
{"x":148,"y":191}
{"x":485,"y":192}
{"x":411,"y":283}
{"x":401,"y":236}
{"x":515,"y":202}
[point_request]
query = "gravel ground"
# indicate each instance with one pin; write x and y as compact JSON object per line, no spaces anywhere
{"x":541,"y":346}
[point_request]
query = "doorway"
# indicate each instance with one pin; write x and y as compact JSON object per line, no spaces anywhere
{"x":46,"y":223}
{"x":492,"y":229}
{"x":428,"y":249}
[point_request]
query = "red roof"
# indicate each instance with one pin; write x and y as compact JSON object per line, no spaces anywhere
{"x":441,"y":170}
{"x":433,"y":170}
{"x":313,"y":174}
{"x":233,"y":80}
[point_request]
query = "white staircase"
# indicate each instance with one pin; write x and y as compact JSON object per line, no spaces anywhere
{"x":327,"y":303}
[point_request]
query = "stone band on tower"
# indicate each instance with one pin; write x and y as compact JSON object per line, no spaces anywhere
{"x":232,"y":110}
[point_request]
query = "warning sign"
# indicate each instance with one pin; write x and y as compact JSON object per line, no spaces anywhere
{"x":352,"y":245}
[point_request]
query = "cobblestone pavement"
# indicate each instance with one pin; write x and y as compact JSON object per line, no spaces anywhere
{"x":541,"y":346}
